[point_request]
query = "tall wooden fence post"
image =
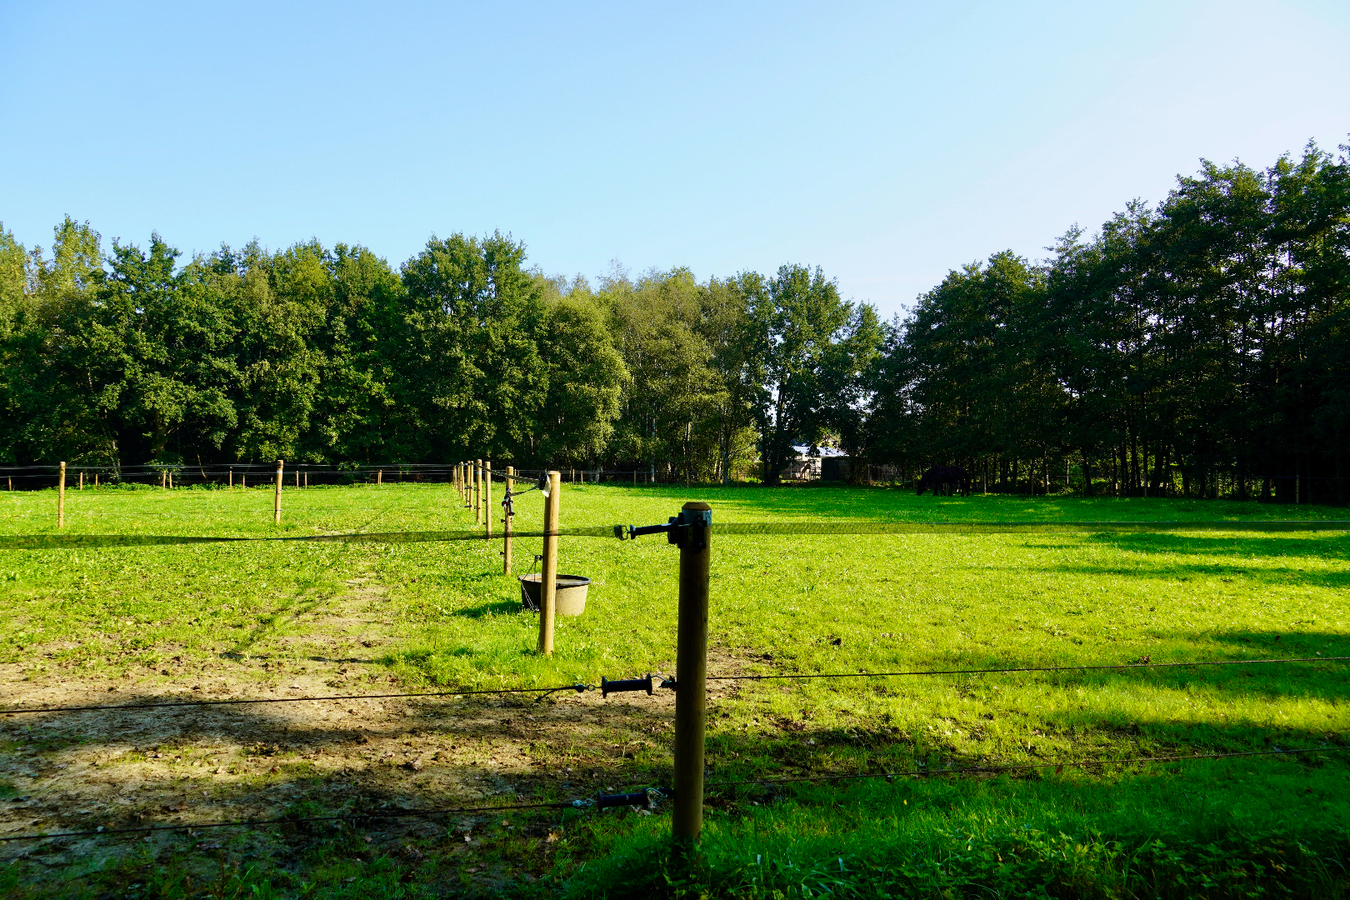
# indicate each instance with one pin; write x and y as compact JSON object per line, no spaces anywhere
{"x":81,"y":480}
{"x":478,"y":492}
{"x":379,"y":476}
{"x":61,"y":499}
{"x":231,"y":482}
{"x":276,"y":502}
{"x":506,"y":522}
{"x":691,"y":673}
{"x":164,"y":479}
{"x":487,"y":500}
{"x":548,"y":575}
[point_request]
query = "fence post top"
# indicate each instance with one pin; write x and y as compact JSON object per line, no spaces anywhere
{"x":697,"y":506}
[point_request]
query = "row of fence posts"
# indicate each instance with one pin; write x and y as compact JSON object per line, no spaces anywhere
{"x":691,"y":651}
{"x":166,"y":483}
{"x":694,"y":537}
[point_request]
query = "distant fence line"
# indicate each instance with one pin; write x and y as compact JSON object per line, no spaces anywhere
{"x":78,"y":477}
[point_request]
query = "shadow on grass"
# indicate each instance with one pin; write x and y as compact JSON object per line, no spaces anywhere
{"x":502,"y":608}
{"x":1327,"y":681}
{"x":1319,"y":546}
{"x":450,"y":754}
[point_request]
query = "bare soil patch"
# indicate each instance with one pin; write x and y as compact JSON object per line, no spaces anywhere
{"x":194,"y":765}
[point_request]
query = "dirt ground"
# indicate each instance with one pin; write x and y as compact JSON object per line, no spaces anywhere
{"x":186,"y":766}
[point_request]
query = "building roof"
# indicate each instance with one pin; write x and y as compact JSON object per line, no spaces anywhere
{"x":804,"y":450}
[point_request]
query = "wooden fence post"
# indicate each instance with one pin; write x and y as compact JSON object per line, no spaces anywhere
{"x":306,"y":479}
{"x":81,"y":480}
{"x":95,"y":479}
{"x":276,"y":503}
{"x":61,"y":499}
{"x":691,"y":673}
{"x":506,"y":523}
{"x":478,"y":492}
{"x":243,"y":479}
{"x":164,"y":479}
{"x":170,"y":473}
{"x":548,"y":572}
{"x":297,"y":479}
{"x":379,"y":476}
{"x":231,"y":481}
{"x":487,"y":500}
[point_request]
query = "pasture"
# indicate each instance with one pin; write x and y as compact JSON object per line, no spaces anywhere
{"x":86,"y":626}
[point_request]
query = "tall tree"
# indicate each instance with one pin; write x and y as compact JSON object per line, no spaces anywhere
{"x":803,"y":333}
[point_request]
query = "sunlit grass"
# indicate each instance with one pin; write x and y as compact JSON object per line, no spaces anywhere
{"x":783,"y":605}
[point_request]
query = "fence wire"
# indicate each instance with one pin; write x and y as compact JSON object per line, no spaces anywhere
{"x":734,"y":529}
{"x":240,"y":701}
{"x":1085,"y":668}
{"x":296,"y":820}
{"x":1020,"y":767}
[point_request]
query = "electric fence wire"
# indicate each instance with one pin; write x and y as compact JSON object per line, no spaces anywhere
{"x":757,"y":782}
{"x":262,"y":823}
{"x":135,"y":707}
{"x":1021,"y":767}
{"x":581,"y":687}
{"x":1085,"y":668}
{"x":740,"y":529}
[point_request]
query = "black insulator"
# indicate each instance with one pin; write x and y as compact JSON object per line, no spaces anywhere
{"x":636,"y":798}
{"x":608,"y":687}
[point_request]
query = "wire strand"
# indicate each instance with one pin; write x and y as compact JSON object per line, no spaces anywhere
{"x":1149,"y":665}
{"x":128,"y":707}
{"x":259,"y":823}
{"x":1129,"y":760}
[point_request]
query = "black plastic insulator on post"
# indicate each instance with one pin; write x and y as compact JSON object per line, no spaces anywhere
{"x":608,"y":687}
{"x":608,"y":801}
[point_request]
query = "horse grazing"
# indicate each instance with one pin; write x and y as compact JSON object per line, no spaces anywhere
{"x":945,"y":480}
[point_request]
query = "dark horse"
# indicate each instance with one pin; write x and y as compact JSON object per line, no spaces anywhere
{"x":946,"y":480}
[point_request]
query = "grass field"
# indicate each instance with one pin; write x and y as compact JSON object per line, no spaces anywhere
{"x":129,"y":624}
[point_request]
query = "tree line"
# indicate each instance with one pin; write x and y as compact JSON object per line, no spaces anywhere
{"x":329,"y":355}
{"x":1199,"y":347}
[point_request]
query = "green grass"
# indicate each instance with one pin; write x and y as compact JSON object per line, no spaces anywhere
{"x":807,"y":604}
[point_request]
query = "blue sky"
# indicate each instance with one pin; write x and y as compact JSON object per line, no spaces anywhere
{"x":886,"y":143}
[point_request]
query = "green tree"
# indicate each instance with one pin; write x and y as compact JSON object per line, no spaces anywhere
{"x":803,"y":333}
{"x":471,"y":371}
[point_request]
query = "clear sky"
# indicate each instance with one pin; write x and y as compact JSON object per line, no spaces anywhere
{"x":887,"y":143}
